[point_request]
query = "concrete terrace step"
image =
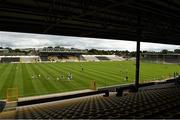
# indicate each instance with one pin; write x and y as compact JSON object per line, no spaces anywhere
{"x":53,"y":95}
{"x":10,"y":106}
{"x":56,"y":97}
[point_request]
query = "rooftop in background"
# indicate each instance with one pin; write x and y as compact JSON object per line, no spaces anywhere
{"x":61,"y":50}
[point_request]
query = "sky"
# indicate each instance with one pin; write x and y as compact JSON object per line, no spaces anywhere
{"x":26,"y":40}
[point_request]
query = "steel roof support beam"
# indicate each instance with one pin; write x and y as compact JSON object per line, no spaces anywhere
{"x":137,"y":65}
{"x":139,"y":33}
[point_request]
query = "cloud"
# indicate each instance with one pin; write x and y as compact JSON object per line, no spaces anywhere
{"x":24,"y":40}
{"x":158,"y":47}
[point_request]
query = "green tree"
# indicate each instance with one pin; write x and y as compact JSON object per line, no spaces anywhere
{"x":17,"y":50}
{"x":10,"y":49}
{"x":165,"y":51}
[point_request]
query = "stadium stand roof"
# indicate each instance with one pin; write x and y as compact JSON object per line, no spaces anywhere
{"x":145,"y":20}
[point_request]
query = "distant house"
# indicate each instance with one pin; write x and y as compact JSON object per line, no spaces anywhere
{"x":4,"y":51}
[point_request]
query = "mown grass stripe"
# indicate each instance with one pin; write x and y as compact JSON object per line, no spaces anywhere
{"x":28,"y":88}
{"x":4,"y":74}
{"x":9,"y":80}
{"x":47,"y":83}
{"x":54,"y":74}
{"x":64,"y":85}
{"x":39,"y":87}
{"x":75,"y":73}
{"x":3,"y":71}
{"x":19,"y":80}
{"x":101,"y":79}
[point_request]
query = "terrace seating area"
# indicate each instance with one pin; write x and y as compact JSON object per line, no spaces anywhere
{"x":29,"y":59}
{"x":18,"y":59}
{"x":115,"y":58}
{"x":10,"y":59}
{"x":162,"y":102}
{"x":67,"y":58}
{"x":43,"y":58}
{"x":60,"y":58}
{"x":82,"y":58}
{"x":171,"y":60}
{"x":102,"y":58}
{"x":53,"y":58}
{"x":90,"y":58}
{"x":162,"y":58}
{"x":73,"y":58}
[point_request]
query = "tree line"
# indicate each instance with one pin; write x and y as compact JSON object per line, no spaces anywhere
{"x":129,"y":53}
{"x":104,"y":52}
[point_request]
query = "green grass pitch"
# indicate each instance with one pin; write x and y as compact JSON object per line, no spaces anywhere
{"x":104,"y":73}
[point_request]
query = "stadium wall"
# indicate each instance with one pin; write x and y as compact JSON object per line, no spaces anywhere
{"x":19,"y":59}
{"x":160,"y":58}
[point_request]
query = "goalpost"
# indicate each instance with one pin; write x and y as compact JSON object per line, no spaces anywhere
{"x":12,"y":94}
